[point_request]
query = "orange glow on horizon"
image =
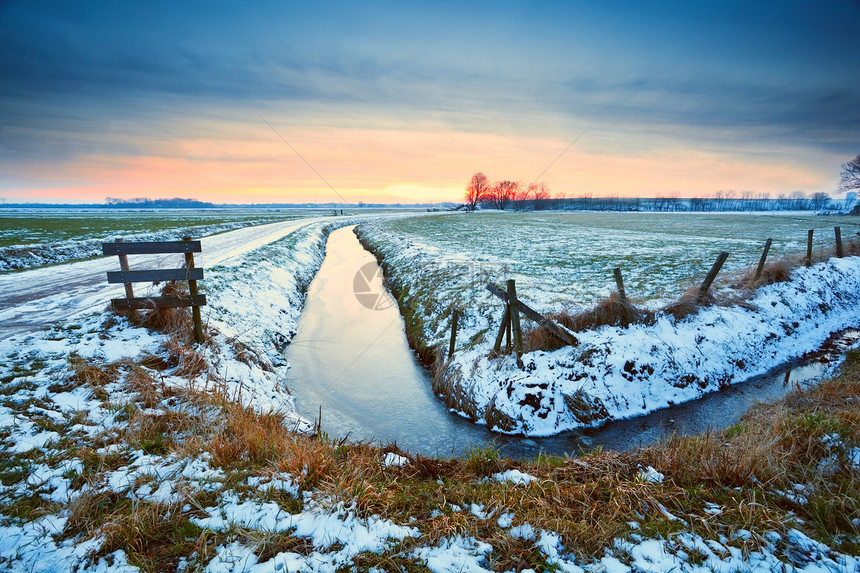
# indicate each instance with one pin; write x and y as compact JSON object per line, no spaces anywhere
{"x":389,"y":165}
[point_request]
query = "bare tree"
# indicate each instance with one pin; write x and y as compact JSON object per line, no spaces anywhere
{"x":540,"y":194}
{"x":850,"y":178}
{"x":819,"y":201}
{"x":520,"y":196}
{"x":503,"y":192}
{"x":797,"y":200}
{"x":477,"y":189}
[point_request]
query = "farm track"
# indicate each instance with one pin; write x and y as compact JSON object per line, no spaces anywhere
{"x":32,"y":300}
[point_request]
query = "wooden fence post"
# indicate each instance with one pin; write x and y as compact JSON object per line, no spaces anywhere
{"x":839,"y":252}
{"x":809,"y":247}
{"x":503,"y":326}
{"x":531,"y":313}
{"x":123,"y":265}
{"x":454,"y":319}
{"x":508,"y":333}
{"x":712,"y":274}
{"x":515,"y":321}
{"x":192,"y":289}
{"x":761,"y":261}
{"x":619,"y":282}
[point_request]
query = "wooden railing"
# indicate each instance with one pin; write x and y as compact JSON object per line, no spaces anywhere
{"x":188,"y":273}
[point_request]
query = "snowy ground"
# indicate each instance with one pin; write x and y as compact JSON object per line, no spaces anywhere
{"x":50,"y":252}
{"x":65,"y":440}
{"x":61,"y":444}
{"x":566,"y":261}
{"x":614,"y":372}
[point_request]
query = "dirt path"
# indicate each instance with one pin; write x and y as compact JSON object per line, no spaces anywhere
{"x":32,"y":300}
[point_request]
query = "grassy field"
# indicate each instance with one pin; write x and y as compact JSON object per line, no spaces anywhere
{"x":571,"y":255}
{"x":29,"y":227}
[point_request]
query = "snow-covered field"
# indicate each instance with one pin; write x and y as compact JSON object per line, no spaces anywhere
{"x":34,"y":238}
{"x":565,"y":261}
{"x":69,"y":439}
{"x":614,"y":372}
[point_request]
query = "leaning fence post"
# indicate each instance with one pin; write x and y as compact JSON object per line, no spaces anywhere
{"x":454,"y":319}
{"x":763,"y":258}
{"x":515,"y":321}
{"x":712,"y":274}
{"x":508,"y":333}
{"x":839,"y":252}
{"x":505,"y":325}
{"x":619,"y":282}
{"x":192,"y":289}
{"x":809,"y":247}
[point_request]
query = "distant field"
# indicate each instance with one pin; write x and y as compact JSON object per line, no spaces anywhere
{"x":33,"y":238}
{"x":35,"y":227}
{"x":570,"y":256}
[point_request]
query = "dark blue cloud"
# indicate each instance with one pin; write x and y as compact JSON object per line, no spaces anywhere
{"x":785,"y":69}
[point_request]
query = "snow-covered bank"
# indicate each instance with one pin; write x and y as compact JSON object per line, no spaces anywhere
{"x":614,"y":372}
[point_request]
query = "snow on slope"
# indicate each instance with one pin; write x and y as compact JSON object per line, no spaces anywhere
{"x":614,"y":372}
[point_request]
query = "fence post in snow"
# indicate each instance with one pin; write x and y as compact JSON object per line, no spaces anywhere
{"x":809,"y":247}
{"x":839,"y":252}
{"x":192,"y":290}
{"x":712,"y":274}
{"x":123,"y":266}
{"x":504,"y":326}
{"x":454,"y":318}
{"x":761,"y":261}
{"x":619,"y":282}
{"x":515,"y":320}
{"x":508,"y":334}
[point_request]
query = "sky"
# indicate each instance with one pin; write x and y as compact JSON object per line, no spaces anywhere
{"x":271,"y":102}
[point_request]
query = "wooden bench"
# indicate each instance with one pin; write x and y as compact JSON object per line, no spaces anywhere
{"x":127,"y":276}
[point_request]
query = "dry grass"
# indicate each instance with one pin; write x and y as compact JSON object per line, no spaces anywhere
{"x":688,"y":304}
{"x":612,"y":311}
{"x":588,"y":501}
{"x":155,"y":536}
{"x":776,"y":271}
{"x":176,"y":322}
{"x":96,"y":376}
{"x":776,"y":446}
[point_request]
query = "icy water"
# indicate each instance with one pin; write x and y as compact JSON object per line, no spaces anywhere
{"x":351,"y":363}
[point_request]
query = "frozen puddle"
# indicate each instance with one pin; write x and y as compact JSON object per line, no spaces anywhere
{"x":350,"y":361}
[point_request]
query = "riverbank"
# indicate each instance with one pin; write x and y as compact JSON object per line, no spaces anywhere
{"x":125,"y":449}
{"x":615,"y":372}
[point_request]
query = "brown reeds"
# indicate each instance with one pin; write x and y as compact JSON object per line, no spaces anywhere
{"x":589,"y":501}
{"x":176,"y":322}
{"x":611,"y":311}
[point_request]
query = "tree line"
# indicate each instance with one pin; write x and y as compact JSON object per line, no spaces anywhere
{"x":508,"y":194}
{"x":504,"y":193}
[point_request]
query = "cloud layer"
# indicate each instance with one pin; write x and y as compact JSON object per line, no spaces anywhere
{"x":767,"y":93}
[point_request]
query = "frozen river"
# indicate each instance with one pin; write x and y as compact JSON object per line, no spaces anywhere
{"x":351,"y":362}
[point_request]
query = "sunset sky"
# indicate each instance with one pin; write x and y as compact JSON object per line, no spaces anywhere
{"x":255,"y":102}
